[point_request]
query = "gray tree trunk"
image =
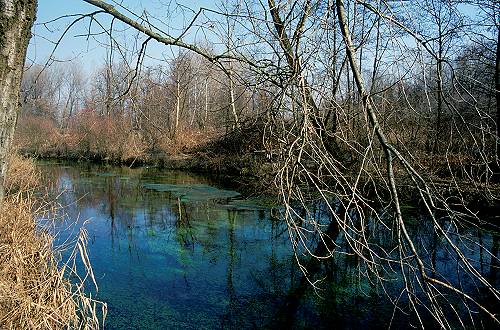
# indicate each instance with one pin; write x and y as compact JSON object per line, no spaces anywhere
{"x":497,"y":90}
{"x":177,"y":108}
{"x":236,"y":123}
{"x":16,"y":20}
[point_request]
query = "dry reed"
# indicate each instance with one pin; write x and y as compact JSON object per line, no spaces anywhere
{"x":35,"y":290}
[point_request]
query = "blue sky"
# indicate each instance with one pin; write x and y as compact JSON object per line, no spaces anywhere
{"x":90,"y":52}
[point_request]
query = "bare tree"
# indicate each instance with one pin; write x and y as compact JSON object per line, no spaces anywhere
{"x":349,"y":135}
{"x":74,"y":90}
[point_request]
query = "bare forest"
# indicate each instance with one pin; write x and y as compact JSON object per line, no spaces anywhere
{"x":366,"y":111}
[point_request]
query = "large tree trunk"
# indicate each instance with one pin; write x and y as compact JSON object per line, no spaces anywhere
{"x":16,"y":19}
{"x":497,"y":90}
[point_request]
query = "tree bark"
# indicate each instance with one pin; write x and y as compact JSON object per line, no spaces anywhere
{"x":16,"y":20}
{"x":439,"y":96}
{"x":497,"y":90}
{"x":236,"y":123}
{"x":205,"y":121}
{"x":177,"y":108}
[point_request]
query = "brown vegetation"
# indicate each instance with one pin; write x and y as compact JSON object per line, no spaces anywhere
{"x":90,"y":136}
{"x":35,"y":292}
{"x":393,"y":96}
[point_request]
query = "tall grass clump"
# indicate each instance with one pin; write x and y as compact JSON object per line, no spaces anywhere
{"x":35,"y":290}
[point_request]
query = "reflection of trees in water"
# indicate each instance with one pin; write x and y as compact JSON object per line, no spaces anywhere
{"x":494,"y":263}
{"x":347,"y":283}
{"x":335,"y":266}
{"x":231,"y":254}
{"x":129,"y":206}
{"x":184,"y":230}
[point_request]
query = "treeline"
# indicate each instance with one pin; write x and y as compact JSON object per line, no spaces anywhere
{"x":365,"y":105}
{"x":431,"y":80}
{"x":124,"y":114}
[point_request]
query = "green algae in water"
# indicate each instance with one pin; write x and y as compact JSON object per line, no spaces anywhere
{"x":211,"y":261}
{"x":107,"y":174}
{"x":192,"y":192}
{"x":251,"y":204}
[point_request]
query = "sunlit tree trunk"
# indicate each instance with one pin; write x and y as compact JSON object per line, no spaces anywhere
{"x":194,"y":108}
{"x":109,"y":82}
{"x":232,"y":105}
{"x":206,"y":104}
{"x":439,"y":92}
{"x":177,"y":107}
{"x":16,"y":19}
{"x":236,"y":123}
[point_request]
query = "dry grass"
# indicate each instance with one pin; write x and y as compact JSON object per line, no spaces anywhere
{"x":35,"y":292}
{"x":22,"y":176}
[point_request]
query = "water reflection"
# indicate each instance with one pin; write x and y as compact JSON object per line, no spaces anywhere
{"x":192,"y":256}
{"x":170,"y":250}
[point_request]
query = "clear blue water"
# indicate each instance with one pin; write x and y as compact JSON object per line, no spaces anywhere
{"x":173,"y":250}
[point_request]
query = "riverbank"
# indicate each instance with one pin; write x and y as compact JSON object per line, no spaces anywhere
{"x":242,"y":157}
{"x":35,"y":290}
{"x":238,"y":155}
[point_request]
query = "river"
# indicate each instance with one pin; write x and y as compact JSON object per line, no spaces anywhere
{"x":171,"y":249}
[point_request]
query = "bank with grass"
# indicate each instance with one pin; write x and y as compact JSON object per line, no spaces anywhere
{"x":35,"y":287}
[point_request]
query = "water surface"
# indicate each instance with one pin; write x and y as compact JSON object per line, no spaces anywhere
{"x":174,"y":250}
{"x":171,"y":249}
